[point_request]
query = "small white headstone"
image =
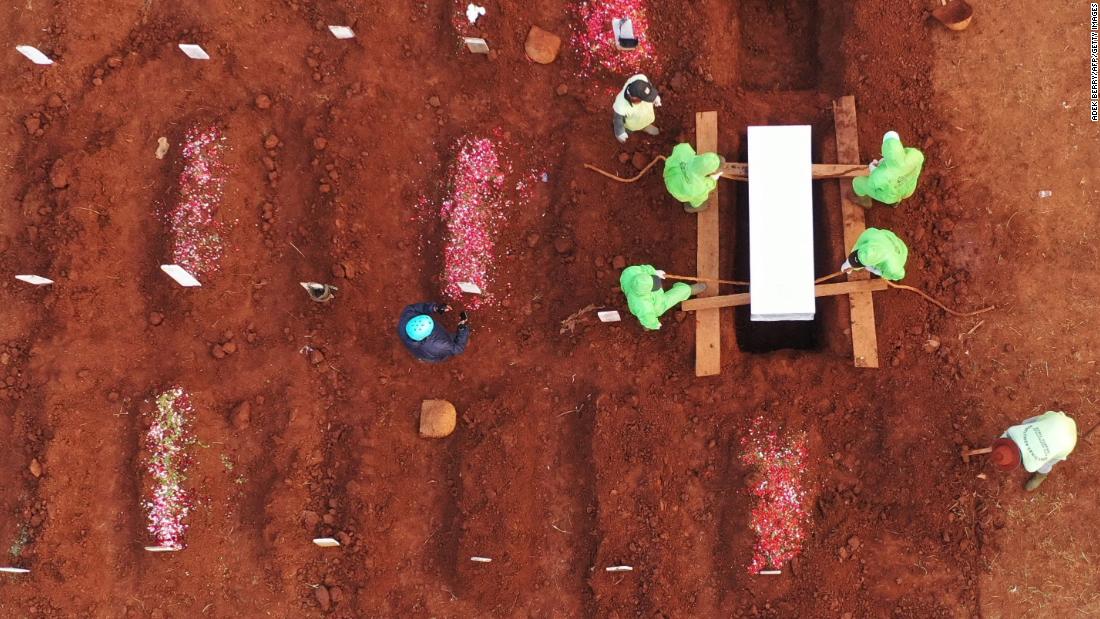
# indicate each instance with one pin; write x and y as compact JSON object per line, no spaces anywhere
{"x":182,"y":277}
{"x":14,"y":570}
{"x":609,"y":316}
{"x":342,"y":32}
{"x":326,"y":542}
{"x":194,"y":52}
{"x":770,"y":572}
{"x":33,"y":54}
{"x":620,"y":568}
{"x":34,"y":279}
{"x":161,"y":548}
{"x":477,"y":46}
{"x":469,"y":287}
{"x":481,"y":559}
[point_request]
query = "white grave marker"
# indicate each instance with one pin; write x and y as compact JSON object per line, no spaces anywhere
{"x":182,"y":277}
{"x":14,"y":570}
{"x":477,"y":46}
{"x":481,"y":559}
{"x":326,"y":542}
{"x":609,"y":316}
{"x":342,"y":32}
{"x":161,"y":549}
{"x":194,"y":52}
{"x":33,"y":54}
{"x":34,"y":279}
{"x":469,"y":287}
{"x":620,"y":568}
{"x":770,"y":572}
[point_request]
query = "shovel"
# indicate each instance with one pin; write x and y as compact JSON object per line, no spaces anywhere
{"x":967,"y":452}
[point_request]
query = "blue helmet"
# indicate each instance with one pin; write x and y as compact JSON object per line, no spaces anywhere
{"x":419,"y":327}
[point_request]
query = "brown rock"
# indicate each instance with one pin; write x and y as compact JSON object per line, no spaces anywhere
{"x":624,"y":157}
{"x":434,"y":101}
{"x":271,"y":142}
{"x":542,"y":46}
{"x":321,"y":593}
{"x":242,"y":415}
{"x":156,"y":318}
{"x":349,"y":269}
{"x":316,"y":356}
{"x":54,"y":101}
{"x":619,"y":262}
{"x":320,"y":143}
{"x":229,"y":347}
{"x":564,"y":245}
{"x":31,"y":124}
{"x":217,"y":352}
{"x":562,"y":90}
{"x":35,"y":468}
{"x":114,"y":62}
{"x":310,"y":518}
{"x":639,"y":160}
{"x":262,"y":102}
{"x":59,"y":174}
{"x":437,"y":418}
{"x":337,"y":270}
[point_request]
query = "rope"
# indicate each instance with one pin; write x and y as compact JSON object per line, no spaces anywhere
{"x":937,"y":303}
{"x":625,"y":180}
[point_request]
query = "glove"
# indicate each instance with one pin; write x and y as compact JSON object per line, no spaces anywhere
{"x":621,"y":138}
{"x":657,"y":101}
{"x":463,"y":317}
{"x":846,"y":267}
{"x":874,"y":164}
{"x":660,"y":274}
{"x":891,"y":134}
{"x":442,"y":308}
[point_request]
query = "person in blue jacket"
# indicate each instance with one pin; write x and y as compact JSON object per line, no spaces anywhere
{"x":426,"y":339}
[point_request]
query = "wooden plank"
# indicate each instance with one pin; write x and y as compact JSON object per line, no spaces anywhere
{"x":821,"y":171}
{"x":861,"y":305}
{"x":708,"y":336}
{"x":861,"y":287}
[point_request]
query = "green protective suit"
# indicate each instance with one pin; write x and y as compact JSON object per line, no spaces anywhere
{"x":647,"y":304}
{"x":687,"y":175}
{"x":896,"y":176}
{"x":883,"y":251}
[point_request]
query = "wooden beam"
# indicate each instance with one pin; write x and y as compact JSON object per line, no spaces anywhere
{"x":861,"y":305}
{"x":821,"y":171}
{"x":863,"y":286}
{"x":708,"y":335}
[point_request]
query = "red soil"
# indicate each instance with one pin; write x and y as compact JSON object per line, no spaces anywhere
{"x":573,"y":452}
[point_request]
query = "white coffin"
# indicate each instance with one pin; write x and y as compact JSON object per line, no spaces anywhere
{"x":781,"y":223}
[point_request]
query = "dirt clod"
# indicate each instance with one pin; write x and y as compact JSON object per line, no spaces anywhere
{"x":262,"y":102}
{"x":542,"y":46}
{"x":323,"y":599}
{"x":639,"y":161}
{"x":242,"y":415}
{"x":59,"y":174}
{"x":155,"y":318}
{"x":271,"y":141}
{"x":35,"y":468}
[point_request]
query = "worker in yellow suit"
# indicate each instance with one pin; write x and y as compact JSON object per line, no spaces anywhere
{"x":894,"y":177}
{"x":633,"y":108}
{"x":1038,"y":443}
{"x":646,"y":297}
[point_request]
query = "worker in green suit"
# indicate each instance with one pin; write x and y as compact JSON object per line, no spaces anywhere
{"x":880,"y":252}
{"x":646,"y":297}
{"x":894,"y":178}
{"x":690,"y":178}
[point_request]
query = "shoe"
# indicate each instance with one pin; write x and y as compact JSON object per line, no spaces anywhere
{"x":698,"y":289}
{"x":1035,"y":480}
{"x":652,"y":130}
